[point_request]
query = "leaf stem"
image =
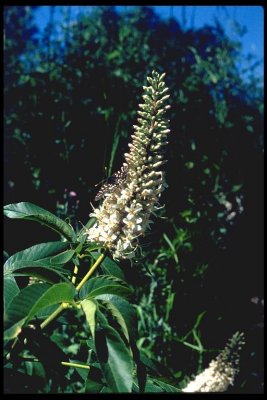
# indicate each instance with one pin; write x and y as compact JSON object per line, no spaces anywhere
{"x":75,"y":272}
{"x":52,"y":316}
{"x":70,"y":364}
{"x":63,"y":306}
{"x":91,"y":270}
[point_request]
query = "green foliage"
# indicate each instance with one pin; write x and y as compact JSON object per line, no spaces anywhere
{"x":32,"y":299}
{"x":103,"y":285}
{"x":32,"y":212}
{"x":102,"y":300}
{"x":70,"y":103}
{"x":10,"y":289}
{"x":115,"y":358}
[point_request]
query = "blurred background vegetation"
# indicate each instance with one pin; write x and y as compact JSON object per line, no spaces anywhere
{"x":70,"y":100}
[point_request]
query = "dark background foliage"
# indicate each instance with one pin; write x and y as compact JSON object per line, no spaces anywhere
{"x":70,"y":101}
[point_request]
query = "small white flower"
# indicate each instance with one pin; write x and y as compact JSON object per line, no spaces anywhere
{"x":124,"y":214}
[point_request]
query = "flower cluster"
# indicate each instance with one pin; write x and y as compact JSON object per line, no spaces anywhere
{"x":125,"y":213}
{"x":221,"y":371}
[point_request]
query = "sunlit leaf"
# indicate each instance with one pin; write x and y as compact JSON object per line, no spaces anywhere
{"x":89,"y":307}
{"x":30,"y":300}
{"x":118,"y":367}
{"x":104,"y":285}
{"x":32,"y":212}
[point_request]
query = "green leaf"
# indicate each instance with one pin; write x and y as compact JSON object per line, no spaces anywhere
{"x":45,"y":312}
{"x":89,"y":308}
{"x":59,"y":293}
{"x":11,"y":289}
{"x":36,"y":253}
{"x":94,"y":382}
{"x":104,"y":284}
{"x":109,"y":267}
{"x":38,"y":370}
{"x":80,"y":371}
{"x":30,"y":300}
{"x":124,"y":313}
{"x":79,"y":248}
{"x":14,"y":331}
{"x":20,"y":306}
{"x":156,"y":385}
{"x":118,"y":367}
{"x":32,"y":212}
{"x":168,"y":388}
{"x":45,"y":274}
{"x":93,"y":386}
{"x":36,"y":261}
{"x":152,"y":388}
{"x":62,"y":258}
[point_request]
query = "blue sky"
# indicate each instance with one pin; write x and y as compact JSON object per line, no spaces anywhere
{"x":251,"y":17}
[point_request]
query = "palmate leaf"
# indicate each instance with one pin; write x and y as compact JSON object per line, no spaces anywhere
{"x":125,"y":315}
{"x":40,"y":261}
{"x":36,"y":253}
{"x":29,"y":211}
{"x":16,"y":314}
{"x":106,"y":284}
{"x":123,"y":312}
{"x":30,"y":300}
{"x":114,"y":357}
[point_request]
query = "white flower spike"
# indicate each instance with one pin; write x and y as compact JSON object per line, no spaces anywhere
{"x":221,"y":371}
{"x":134,"y":194}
